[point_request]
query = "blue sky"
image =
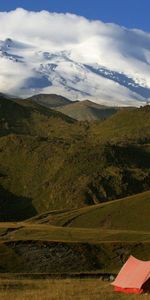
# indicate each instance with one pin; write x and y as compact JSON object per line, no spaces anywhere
{"x":129,"y":13}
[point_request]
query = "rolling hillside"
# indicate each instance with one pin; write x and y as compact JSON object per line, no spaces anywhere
{"x":87,"y":110}
{"x":29,"y":118}
{"x":128,"y":126}
{"x":65,"y":176}
{"x":79,"y":110}
{"x":44,"y":249}
{"x":50,"y":161}
{"x":90,"y":240}
{"x":123,"y":214}
{"x":50,"y":100}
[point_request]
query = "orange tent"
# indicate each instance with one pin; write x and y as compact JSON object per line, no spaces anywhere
{"x":134,"y":277}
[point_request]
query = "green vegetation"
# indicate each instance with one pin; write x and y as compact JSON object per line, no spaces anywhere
{"x":99,"y":238}
{"x":127,"y":126}
{"x":129,"y":214}
{"x":74,"y":196}
{"x":64,"y":176}
{"x":49,"y":161}
{"x":30,"y":232}
{"x":40,"y":248}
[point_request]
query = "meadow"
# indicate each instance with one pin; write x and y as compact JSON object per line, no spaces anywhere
{"x":61,"y":289}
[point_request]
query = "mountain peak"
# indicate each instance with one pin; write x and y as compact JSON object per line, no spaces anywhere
{"x":104,"y":63}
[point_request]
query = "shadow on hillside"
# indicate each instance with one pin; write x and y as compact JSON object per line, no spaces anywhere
{"x":138,"y":156}
{"x":15,"y":208}
{"x":131,"y":155}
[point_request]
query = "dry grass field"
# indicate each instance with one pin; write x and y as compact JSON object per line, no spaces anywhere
{"x":61,"y":289}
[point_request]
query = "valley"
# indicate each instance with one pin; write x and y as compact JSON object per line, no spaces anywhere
{"x":74,"y":195}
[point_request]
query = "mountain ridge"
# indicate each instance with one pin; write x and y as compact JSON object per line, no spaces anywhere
{"x":87,"y":110}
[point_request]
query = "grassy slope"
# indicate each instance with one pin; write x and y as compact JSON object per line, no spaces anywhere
{"x":54,"y":162}
{"x":97,"y":238}
{"x":40,"y":248}
{"x":27,"y":117}
{"x":127,"y":125}
{"x":34,"y":232}
{"x":51,"y":161}
{"x":123,"y":214}
{"x":87,"y":110}
{"x":33,"y":136}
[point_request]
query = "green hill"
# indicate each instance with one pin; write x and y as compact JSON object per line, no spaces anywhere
{"x":128,"y":125}
{"x":130,"y":214}
{"x":65,"y":176}
{"x":89,"y":240}
{"x":87,"y":110}
{"x":50,"y":161}
{"x":26,"y":117}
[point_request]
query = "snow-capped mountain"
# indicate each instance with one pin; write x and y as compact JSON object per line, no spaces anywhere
{"x":110,"y":66}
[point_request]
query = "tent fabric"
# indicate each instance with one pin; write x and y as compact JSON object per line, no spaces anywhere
{"x":133,"y":275}
{"x":128,"y":291}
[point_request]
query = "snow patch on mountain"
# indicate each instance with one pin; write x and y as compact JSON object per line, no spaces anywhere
{"x":72,"y":56}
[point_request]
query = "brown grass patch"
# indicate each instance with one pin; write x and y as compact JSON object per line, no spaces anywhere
{"x":65,"y":289}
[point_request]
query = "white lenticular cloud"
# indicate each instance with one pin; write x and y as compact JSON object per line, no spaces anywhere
{"x":48,"y":52}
